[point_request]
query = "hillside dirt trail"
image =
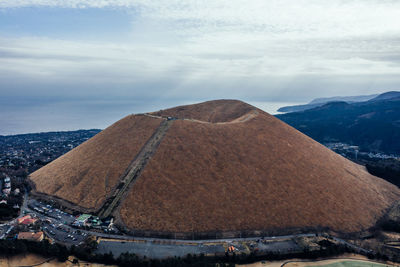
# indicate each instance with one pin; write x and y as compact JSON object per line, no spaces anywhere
{"x":248,"y":116}
{"x":135,"y":168}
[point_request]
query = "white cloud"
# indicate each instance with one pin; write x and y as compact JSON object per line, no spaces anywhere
{"x":191,"y":50}
{"x":299,"y":17}
{"x":189,"y":44}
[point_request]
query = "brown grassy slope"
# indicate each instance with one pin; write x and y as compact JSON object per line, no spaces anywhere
{"x":210,"y":111}
{"x":86,"y":174}
{"x":258,"y":174}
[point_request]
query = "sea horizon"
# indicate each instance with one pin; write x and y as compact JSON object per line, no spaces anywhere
{"x":71,"y":116}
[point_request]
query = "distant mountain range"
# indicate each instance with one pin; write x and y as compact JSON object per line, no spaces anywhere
{"x":322,"y":101}
{"x":386,"y":96}
{"x":374,"y":125}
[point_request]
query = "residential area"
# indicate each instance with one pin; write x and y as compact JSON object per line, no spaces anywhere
{"x":355,"y":153}
{"x":23,"y":154}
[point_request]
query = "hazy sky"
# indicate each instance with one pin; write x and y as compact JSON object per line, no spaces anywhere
{"x":68,"y":64}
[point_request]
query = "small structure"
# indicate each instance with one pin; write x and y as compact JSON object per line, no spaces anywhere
{"x":82,"y":220}
{"x":107,"y":223}
{"x":231,"y":249}
{"x":27,"y":220}
{"x":94,"y":221}
{"x":7,"y":191}
{"x":6,"y":186}
{"x":20,"y":220}
{"x":31,"y":236}
{"x":17,"y":191}
{"x":7,"y":182}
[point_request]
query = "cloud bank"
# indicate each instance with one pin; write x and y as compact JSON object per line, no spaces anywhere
{"x":188,"y":51}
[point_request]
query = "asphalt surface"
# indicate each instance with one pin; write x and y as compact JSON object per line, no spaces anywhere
{"x":56,"y":214}
{"x":55,"y":223}
{"x":64,"y":234}
{"x":157,"y":251}
{"x":160,"y":250}
{"x":283,"y":246}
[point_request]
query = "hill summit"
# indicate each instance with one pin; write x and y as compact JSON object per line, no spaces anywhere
{"x":217,"y":166}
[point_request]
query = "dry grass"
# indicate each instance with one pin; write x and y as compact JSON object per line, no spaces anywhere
{"x":258,"y":174}
{"x":254,"y":173}
{"x":88,"y":173}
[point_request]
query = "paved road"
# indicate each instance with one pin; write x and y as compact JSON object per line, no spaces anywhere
{"x":24,"y":203}
{"x":4,"y":229}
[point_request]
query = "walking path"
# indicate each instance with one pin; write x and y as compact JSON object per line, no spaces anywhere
{"x":135,"y":168}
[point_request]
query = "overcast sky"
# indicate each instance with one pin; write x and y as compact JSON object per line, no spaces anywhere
{"x":69,"y":64}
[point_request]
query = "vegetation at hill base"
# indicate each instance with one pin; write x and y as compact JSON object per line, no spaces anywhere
{"x":388,"y":169}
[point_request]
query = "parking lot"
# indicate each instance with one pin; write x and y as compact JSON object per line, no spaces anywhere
{"x":63,"y":233}
{"x":55,"y":223}
{"x":283,"y":246}
{"x":156,"y":250}
{"x":161,"y":250}
{"x":49,"y":211}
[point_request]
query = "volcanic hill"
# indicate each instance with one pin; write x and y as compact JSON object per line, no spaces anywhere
{"x":216,"y":166}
